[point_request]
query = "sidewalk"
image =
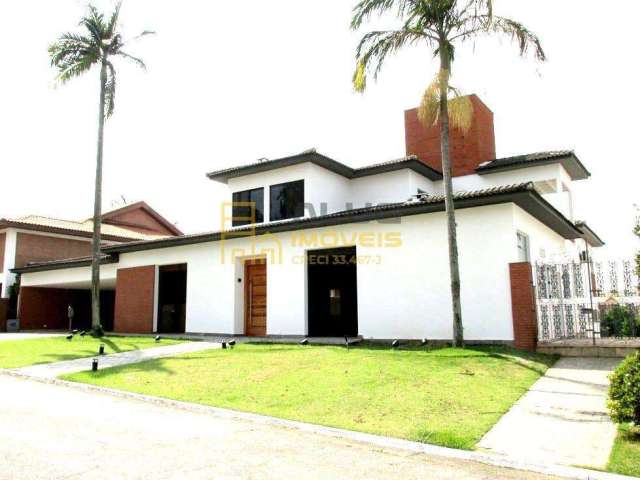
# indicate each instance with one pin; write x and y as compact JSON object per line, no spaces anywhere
{"x":562,"y":419}
{"x":52,"y":370}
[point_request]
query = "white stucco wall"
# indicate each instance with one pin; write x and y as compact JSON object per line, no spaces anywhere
{"x":403,"y":292}
{"x":7,"y":279}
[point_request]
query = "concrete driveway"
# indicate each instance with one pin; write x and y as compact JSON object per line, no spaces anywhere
{"x":54,"y":432}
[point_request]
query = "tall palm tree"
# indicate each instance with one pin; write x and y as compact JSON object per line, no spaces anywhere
{"x":74,"y":54}
{"x":440,"y":25}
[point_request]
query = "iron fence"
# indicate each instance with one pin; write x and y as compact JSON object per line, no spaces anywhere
{"x":580,"y":300}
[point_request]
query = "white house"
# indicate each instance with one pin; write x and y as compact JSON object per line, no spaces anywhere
{"x":312,"y":247}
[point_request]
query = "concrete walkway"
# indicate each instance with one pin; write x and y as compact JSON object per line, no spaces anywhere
{"x":562,"y":419}
{"x":52,"y":370}
{"x":53,"y":432}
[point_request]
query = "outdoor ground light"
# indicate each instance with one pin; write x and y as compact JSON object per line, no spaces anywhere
{"x":83,"y":333}
{"x":94,"y":365}
{"x":232,"y":343}
{"x":304,"y":341}
{"x":224,"y":345}
{"x":395,"y":343}
{"x":101,"y":349}
{"x":424,"y":342}
{"x":69,"y":337}
{"x":158,"y":338}
{"x":74,"y":331}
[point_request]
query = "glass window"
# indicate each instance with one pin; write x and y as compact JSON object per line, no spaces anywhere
{"x":286,"y":200}
{"x":248,"y":207}
{"x":523,"y":247}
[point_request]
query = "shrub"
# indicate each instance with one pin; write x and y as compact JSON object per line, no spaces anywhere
{"x":620,"y":321}
{"x":624,"y":392}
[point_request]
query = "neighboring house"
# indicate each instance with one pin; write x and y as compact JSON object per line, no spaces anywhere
{"x":314,"y":247}
{"x":37,"y":239}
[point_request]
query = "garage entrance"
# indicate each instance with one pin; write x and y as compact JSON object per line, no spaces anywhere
{"x":332,"y":292}
{"x":172,"y":298}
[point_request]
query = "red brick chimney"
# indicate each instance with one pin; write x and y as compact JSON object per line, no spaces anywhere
{"x":468,"y":149}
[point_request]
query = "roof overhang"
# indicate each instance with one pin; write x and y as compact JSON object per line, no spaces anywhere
{"x":569,"y":161}
{"x":59,"y":231}
{"x":589,"y":235}
{"x":64,"y":264}
{"x":323,"y":161}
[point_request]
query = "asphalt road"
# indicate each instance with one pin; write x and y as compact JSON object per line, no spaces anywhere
{"x":55,"y":432}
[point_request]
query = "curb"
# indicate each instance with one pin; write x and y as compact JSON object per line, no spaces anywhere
{"x":366,"y":438}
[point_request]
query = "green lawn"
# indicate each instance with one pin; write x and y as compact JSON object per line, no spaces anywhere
{"x":444,"y":396}
{"x":20,"y":353}
{"x":625,"y":457}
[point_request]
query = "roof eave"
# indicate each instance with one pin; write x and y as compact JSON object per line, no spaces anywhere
{"x":589,"y":235}
{"x":63,"y":265}
{"x":570,"y":162}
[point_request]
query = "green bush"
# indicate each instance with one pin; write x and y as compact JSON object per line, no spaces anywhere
{"x":620,"y":321}
{"x":624,"y":392}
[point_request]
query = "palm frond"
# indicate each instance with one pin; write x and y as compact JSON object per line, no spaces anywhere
{"x":525,"y":39}
{"x":366,"y":8}
{"x":460,"y":106}
{"x":375,"y":47}
{"x":110,"y":91}
{"x":94,"y":23}
{"x":113,"y":21}
{"x":136,"y":60}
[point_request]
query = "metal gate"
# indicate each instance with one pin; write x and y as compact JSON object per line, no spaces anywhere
{"x":587,"y":300}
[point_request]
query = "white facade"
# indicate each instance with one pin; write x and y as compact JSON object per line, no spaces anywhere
{"x":402,"y":280}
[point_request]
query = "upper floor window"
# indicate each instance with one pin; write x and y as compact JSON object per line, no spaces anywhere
{"x":248,"y":207}
{"x":524,"y":254}
{"x":286,"y":200}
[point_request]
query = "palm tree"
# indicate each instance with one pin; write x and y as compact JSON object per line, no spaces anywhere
{"x":440,"y":25}
{"x":74,"y":54}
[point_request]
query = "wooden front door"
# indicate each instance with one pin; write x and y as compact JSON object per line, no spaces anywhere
{"x":255,"y":298}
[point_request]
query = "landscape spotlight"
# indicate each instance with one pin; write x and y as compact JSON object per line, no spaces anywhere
{"x":74,"y":331}
{"x":158,"y":337}
{"x":94,"y":365}
{"x":424,"y":342}
{"x":101,"y":349}
{"x":224,"y":345}
{"x":304,"y":341}
{"x":232,"y":343}
{"x":69,"y":337}
{"x":83,"y":333}
{"x":395,"y":343}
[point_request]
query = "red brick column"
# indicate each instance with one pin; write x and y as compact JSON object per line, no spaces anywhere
{"x":523,"y":305}
{"x":135,"y":288}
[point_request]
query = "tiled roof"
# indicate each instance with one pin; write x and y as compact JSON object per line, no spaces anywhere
{"x":313,"y":156}
{"x":567,"y":157}
{"x":70,"y":227}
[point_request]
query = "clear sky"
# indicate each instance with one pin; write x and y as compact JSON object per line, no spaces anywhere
{"x":231,"y":82}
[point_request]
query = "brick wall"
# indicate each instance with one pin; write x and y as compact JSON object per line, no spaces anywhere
{"x":467,"y":149}
{"x":40,"y":248}
{"x":523,"y":306}
{"x":3,"y":240}
{"x":43,"y":308}
{"x":135,"y":300}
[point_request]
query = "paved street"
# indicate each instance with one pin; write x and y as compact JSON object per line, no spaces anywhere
{"x":54,"y":432}
{"x":562,"y":419}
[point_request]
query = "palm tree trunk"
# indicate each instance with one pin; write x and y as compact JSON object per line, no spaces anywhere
{"x":96,"y":326}
{"x":445,"y":71}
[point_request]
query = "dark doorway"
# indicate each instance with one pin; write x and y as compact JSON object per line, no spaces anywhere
{"x":332,"y":292}
{"x":172,"y":298}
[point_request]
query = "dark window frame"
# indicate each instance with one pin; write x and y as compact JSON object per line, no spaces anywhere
{"x":238,"y":212}
{"x":296,"y":211}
